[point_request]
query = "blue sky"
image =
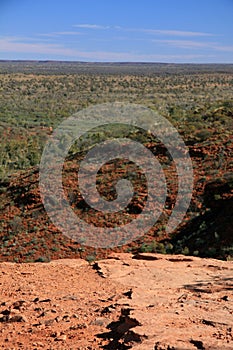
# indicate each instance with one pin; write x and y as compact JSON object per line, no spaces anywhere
{"x":190,"y":31}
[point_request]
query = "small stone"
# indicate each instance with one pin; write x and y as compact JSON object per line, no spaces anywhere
{"x":17,"y":304}
{"x":55,"y":334}
{"x":61,"y":338}
{"x":58,"y":319}
{"x":108,"y":309}
{"x":38,"y":309}
{"x":66,"y":318}
{"x":40,"y":344}
{"x":18,"y":318}
{"x":100,"y":321}
{"x":78,"y":326}
{"x":45,"y":300}
{"x":49,"y":322}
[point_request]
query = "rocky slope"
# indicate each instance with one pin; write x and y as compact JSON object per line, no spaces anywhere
{"x":143,"y":301}
{"x":27,"y":234}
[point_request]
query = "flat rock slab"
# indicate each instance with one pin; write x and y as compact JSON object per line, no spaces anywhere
{"x":178,"y":302}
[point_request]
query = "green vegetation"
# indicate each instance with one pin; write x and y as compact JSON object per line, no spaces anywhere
{"x":32,"y":105}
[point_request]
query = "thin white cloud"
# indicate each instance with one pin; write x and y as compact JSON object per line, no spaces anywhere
{"x":91,"y":26}
{"x":184,"y":44}
{"x":15,"y":46}
{"x":175,"y":32}
{"x":68,"y":33}
{"x":56,"y":34}
{"x":189,"y":44}
{"x":166,"y":32}
{"x":223,"y":48}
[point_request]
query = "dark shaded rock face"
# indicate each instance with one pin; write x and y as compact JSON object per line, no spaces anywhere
{"x":219,"y":193}
{"x":211,"y":234}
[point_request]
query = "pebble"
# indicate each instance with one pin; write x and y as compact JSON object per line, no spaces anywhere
{"x":100,"y":321}
{"x":78,"y":326}
{"x":61,"y":338}
{"x":18,"y":318}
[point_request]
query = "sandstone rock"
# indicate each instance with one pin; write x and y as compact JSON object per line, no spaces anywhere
{"x":145,"y":302}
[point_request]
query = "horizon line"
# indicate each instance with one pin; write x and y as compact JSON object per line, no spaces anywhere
{"x":112,"y":62}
